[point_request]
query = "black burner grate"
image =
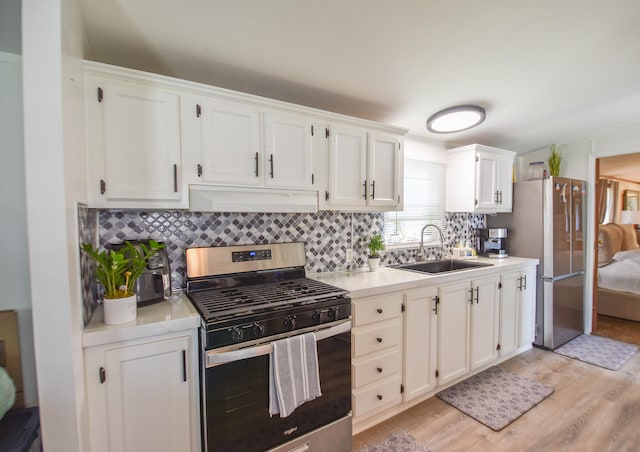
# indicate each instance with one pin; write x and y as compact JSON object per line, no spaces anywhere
{"x":246,"y":300}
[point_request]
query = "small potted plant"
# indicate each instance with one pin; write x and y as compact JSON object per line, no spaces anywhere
{"x":375,"y":245}
{"x":118,"y":272}
{"x":555,"y":160}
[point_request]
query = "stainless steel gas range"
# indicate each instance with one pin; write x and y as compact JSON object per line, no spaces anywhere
{"x":249,"y":297}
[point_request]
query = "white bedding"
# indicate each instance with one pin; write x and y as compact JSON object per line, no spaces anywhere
{"x":623,"y":274}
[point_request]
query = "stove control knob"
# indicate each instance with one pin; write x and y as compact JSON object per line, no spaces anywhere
{"x":258,"y":329}
{"x":290,"y":322}
{"x":333,"y":313}
{"x":316,"y":316}
{"x":236,"y":334}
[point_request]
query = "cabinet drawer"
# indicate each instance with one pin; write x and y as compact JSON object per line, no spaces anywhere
{"x":377,"y":397}
{"x":376,"y":367}
{"x":374,"y":309}
{"x":376,"y":337}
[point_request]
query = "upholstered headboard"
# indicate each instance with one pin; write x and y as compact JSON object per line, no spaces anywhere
{"x":10,"y":352}
{"x":615,"y":237}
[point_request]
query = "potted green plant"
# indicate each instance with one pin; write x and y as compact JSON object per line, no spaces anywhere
{"x":555,"y":160}
{"x":375,"y":245}
{"x":118,"y":271}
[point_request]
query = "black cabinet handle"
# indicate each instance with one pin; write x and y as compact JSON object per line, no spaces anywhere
{"x":373,"y":190}
{"x":379,"y":310}
{"x":175,"y":178}
{"x":256,"y":157}
{"x":380,"y":397}
{"x":365,"y":189}
{"x":379,"y":369}
{"x":184,"y":365}
{"x":436,"y":300}
{"x":478,"y":295}
{"x":524,"y":278}
{"x":379,"y":339}
{"x":103,"y":375}
{"x":199,"y":170}
{"x":271,"y":163}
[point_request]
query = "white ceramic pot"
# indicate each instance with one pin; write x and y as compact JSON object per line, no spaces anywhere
{"x":373,"y":263}
{"x":120,"y":310}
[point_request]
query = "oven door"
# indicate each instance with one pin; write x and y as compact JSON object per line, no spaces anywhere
{"x":236,"y":395}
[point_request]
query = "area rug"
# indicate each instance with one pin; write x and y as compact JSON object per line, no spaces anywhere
{"x":598,"y":350}
{"x":399,"y":441}
{"x":495,"y":397}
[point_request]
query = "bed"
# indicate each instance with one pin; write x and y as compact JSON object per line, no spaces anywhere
{"x":619,"y":271}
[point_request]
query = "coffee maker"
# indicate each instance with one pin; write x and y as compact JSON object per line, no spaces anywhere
{"x":492,"y":242}
{"x":154,"y":284}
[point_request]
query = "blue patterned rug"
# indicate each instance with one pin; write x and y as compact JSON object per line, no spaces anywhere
{"x":598,"y":350}
{"x":495,"y":397}
{"x":399,"y":441}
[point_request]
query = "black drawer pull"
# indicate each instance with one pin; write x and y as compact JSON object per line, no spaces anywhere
{"x":379,"y":397}
{"x":379,"y":339}
{"x":379,"y":310}
{"x":379,"y":369}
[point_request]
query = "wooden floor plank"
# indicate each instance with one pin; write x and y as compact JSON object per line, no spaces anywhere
{"x":592,"y":409}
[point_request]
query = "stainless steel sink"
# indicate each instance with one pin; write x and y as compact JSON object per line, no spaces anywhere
{"x":441,"y":266}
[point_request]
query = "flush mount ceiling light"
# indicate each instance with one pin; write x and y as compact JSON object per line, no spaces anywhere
{"x":456,"y":119}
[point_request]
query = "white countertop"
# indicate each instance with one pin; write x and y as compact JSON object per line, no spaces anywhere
{"x":158,"y":318}
{"x":363,"y":283}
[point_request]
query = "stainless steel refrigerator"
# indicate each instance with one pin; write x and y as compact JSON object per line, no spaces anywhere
{"x":547,"y":223}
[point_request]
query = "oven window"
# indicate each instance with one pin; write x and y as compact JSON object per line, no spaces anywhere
{"x":237,"y":400}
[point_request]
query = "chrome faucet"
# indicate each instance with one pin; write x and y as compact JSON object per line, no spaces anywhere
{"x":421,"y":250}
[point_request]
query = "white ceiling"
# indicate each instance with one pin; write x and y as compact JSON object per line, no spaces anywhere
{"x":546,"y":71}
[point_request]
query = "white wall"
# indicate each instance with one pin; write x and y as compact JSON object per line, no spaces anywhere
{"x":54,"y":160}
{"x":14,"y":271}
{"x":10,"y":28}
{"x":424,"y":149}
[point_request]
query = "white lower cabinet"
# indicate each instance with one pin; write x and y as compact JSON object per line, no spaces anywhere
{"x":376,"y":350}
{"x":421,"y":342}
{"x":409,"y":344}
{"x":142,"y":394}
{"x":453,"y":331}
{"x":483,"y":345}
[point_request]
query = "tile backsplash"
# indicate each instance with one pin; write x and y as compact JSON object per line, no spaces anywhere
{"x":326,"y":235}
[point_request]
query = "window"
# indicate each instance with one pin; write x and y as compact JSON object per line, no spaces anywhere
{"x":423,"y":204}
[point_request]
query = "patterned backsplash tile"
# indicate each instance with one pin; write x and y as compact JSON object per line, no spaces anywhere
{"x":326,"y":235}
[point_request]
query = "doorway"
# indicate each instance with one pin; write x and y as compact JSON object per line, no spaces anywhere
{"x":616,"y":200}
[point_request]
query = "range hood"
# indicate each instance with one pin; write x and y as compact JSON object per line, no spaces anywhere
{"x":214,"y":198}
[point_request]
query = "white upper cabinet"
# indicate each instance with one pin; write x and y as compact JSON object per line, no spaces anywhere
{"x":479,"y":179}
{"x":287,"y":151}
{"x":160,"y":142}
{"x":229,"y":144}
{"x":384,"y":170}
{"x":364,"y":170}
{"x":134,"y":149}
{"x":347,"y":166}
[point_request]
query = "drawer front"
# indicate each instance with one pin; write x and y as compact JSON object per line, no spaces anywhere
{"x":375,"y":309}
{"x":377,"y":397}
{"x":372,"y":338}
{"x":377,"y":367}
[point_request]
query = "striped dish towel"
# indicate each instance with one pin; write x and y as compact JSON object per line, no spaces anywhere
{"x":293,"y":374}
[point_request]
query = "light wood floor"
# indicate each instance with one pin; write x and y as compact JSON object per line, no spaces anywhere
{"x":592,"y":409}
{"x":618,"y":329}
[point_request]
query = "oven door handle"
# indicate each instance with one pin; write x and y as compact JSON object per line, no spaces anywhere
{"x":215,"y":359}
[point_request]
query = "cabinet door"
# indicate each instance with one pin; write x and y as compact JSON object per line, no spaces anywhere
{"x":230,"y":144}
{"x":453,"y":331}
{"x":420,"y":341}
{"x":527,"y":308}
{"x":504,"y":183}
{"x":509,"y":314}
{"x":383,"y":160}
{"x":347,"y":167}
{"x":287,"y":148}
{"x":484,"y":321}
{"x":134,"y":143}
{"x":147,"y":397}
{"x":486,"y":189}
